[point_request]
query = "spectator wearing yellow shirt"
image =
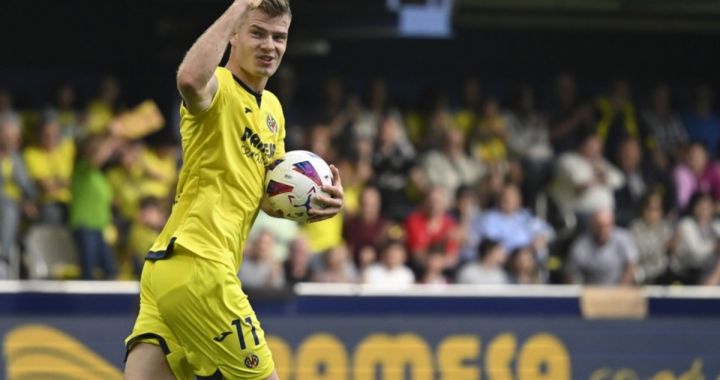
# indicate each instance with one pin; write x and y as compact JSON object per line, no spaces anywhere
{"x":160,"y":163}
{"x":145,"y":228}
{"x":50,"y":164}
{"x":101,"y":111}
{"x":15,"y":188}
{"x":488,"y":142}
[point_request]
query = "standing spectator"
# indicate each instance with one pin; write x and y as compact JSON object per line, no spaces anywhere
{"x":101,"y":110}
{"x":63,"y":104}
{"x":6,"y":103}
{"x":393,"y":162}
{"x":466,"y":116}
{"x":522,"y":267}
{"x":568,"y":115}
{"x":145,"y":228}
{"x":488,"y":142}
{"x":366,"y":229}
{"x":259,"y":269}
{"x":653,"y":236}
{"x":696,"y":173}
{"x":391,"y":270}
{"x":16,"y":193}
{"x":429,"y":227}
{"x":697,"y":247}
{"x":618,"y":119}
{"x":91,"y":206}
{"x":466,"y":210}
{"x":702,"y":123}
{"x":641,"y":177}
{"x":606,"y":255}
{"x":50,"y":163}
{"x":487,"y":269}
{"x":584,"y":180}
{"x":664,"y":130}
{"x":450,"y":167}
{"x":513,"y":226}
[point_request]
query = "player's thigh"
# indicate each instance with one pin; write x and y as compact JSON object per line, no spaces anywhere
{"x":274,"y":376}
{"x":147,"y":362}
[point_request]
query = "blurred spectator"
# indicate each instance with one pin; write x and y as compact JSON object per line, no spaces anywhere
{"x":6,"y":103}
{"x":466,"y":210}
{"x":366,"y":229}
{"x":435,"y":269}
{"x":605,"y":255}
{"x":160,"y":163}
{"x":529,"y":140}
{"x":466,"y":116}
{"x":450,"y":167}
{"x":145,"y":228}
{"x":568,"y":115}
{"x":297,"y":265}
{"x":696,"y":173}
{"x":697,"y":241}
{"x":16,"y":193}
{"x":653,"y":236}
{"x":127,"y":180}
{"x":513,"y":226}
{"x":284,"y":231}
{"x":391,"y":270}
{"x":664,"y":130}
{"x":641,"y":177}
{"x":489,"y":138}
{"x":337,"y":267}
{"x":356,"y":172}
{"x":522,"y":267}
{"x":487,"y":269}
{"x":585,"y":180}
{"x":50,"y":164}
{"x":431,"y":227}
{"x":101,"y":110}
{"x":702,"y":123}
{"x":325,"y":234}
{"x":91,"y":206}
{"x":63,"y":104}
{"x":618,"y":119}
{"x":393,"y":162}
{"x":259,"y":269}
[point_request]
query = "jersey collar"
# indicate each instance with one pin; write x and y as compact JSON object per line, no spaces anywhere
{"x":258,"y":96}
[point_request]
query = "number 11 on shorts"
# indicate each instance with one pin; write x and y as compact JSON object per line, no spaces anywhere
{"x":241,"y":337}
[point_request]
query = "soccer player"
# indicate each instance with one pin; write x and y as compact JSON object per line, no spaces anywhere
{"x":194,"y":319}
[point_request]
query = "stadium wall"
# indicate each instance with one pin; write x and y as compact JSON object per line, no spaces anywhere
{"x":75,"y":331}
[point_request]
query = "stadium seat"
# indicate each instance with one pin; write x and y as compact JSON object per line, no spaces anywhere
{"x":50,"y":253}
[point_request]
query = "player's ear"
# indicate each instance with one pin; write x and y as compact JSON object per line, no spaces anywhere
{"x":233,"y":39}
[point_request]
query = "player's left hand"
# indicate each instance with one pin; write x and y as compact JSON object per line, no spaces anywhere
{"x":332,"y":203}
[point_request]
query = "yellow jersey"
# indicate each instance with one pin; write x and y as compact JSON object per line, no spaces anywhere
{"x":226,"y":149}
{"x":58,"y":164}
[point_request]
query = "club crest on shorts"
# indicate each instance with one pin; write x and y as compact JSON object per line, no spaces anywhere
{"x":272,"y":124}
{"x":252,"y":361}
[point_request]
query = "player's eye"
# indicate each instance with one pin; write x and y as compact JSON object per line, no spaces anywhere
{"x":255,"y":33}
{"x":280,"y":38}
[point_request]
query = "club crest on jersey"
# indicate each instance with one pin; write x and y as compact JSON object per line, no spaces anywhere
{"x":272,"y":124}
{"x":252,"y":361}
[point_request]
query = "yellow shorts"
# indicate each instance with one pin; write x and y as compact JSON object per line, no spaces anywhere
{"x":195,"y":310}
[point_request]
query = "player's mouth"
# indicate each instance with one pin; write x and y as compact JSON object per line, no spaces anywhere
{"x":265,"y":59}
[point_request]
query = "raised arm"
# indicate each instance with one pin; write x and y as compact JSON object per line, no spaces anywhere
{"x":195,"y":78}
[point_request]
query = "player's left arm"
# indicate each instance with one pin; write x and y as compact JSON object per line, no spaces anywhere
{"x":334,"y":200}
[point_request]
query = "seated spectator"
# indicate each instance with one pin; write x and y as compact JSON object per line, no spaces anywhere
{"x":450,"y":167}
{"x":702,"y":123}
{"x":522,"y":267}
{"x":466,"y":116}
{"x":50,"y":163}
{"x":641,"y":177}
{"x":466,"y":210}
{"x":16,"y":193}
{"x":431,"y":226}
{"x":618,"y":119}
{"x":91,"y":206}
{"x":487,"y":269}
{"x":605,"y":255}
{"x":435,"y":269}
{"x":568,"y":115}
{"x":393,"y":162}
{"x":512,"y":226}
{"x":391,"y":270}
{"x":259,"y":269}
{"x":366,"y":229}
{"x":284,"y":232}
{"x":697,"y":241}
{"x":663,"y":129}
{"x":337,"y":267}
{"x":297,"y":265}
{"x":696,"y":173}
{"x":145,"y":228}
{"x":584,"y":180}
{"x":488,"y":142}
{"x":653,"y":236}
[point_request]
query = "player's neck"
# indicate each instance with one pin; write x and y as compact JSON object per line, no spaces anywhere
{"x":257,"y":84}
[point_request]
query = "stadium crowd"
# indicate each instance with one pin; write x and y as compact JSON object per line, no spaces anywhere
{"x":607,"y":188}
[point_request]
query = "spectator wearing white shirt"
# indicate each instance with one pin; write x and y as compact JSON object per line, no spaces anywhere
{"x":488,"y":268}
{"x":391,"y":271}
{"x":697,"y":247}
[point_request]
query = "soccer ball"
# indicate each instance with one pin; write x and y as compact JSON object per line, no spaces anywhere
{"x":292,"y":181}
